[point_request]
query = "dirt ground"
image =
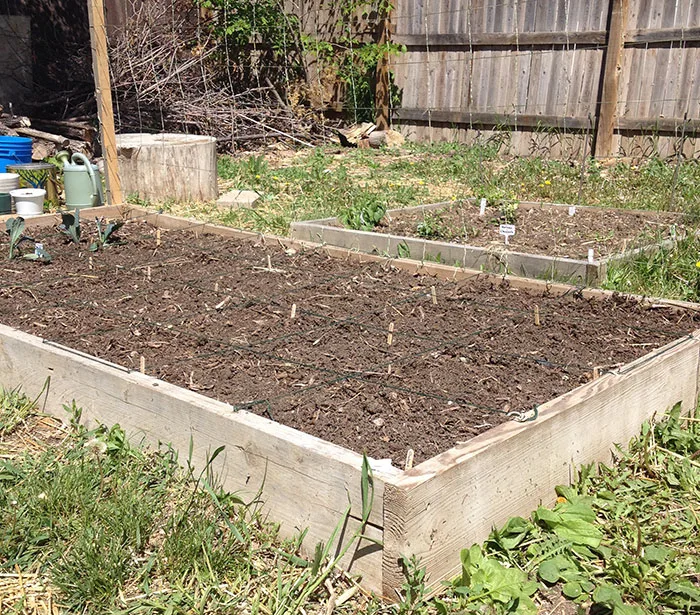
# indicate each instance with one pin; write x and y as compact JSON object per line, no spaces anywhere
{"x":359,"y":355}
{"x":539,"y":230}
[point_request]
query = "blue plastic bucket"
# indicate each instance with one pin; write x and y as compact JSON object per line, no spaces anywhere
{"x":14,"y":150}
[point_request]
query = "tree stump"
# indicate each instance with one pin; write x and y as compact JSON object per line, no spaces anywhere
{"x":161,"y":167}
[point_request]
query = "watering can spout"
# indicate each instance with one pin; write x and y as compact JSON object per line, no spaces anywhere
{"x":63,"y":157}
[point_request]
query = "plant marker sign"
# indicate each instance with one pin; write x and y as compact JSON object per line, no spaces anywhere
{"x":482,"y":207}
{"x":507,"y":230}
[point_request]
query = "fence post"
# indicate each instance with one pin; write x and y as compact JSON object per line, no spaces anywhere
{"x":382,"y":92}
{"x":607,"y":106}
{"x":103,"y":94}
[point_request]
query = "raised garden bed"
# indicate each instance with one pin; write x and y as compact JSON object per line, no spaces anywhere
{"x":298,"y":361}
{"x":549,"y":243}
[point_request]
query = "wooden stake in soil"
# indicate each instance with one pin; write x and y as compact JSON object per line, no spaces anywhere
{"x":216,"y":287}
{"x":90,"y":262}
{"x":157,"y":238}
{"x":293,"y":313}
{"x":537,"y":315}
{"x":596,"y":372}
{"x":142,"y":364}
{"x":433,"y":294}
{"x":390,"y":336}
{"x":148,"y":273}
{"x":409,"y":459}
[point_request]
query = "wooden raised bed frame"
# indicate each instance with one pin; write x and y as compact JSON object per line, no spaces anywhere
{"x":568,"y":270}
{"x":431,"y":511}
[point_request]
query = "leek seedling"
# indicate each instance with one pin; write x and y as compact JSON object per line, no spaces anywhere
{"x":105,"y":234}
{"x":15,"y":229}
{"x":70,"y":226}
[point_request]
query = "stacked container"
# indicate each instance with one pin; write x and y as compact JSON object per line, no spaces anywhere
{"x":8,"y":182}
{"x":14,"y":150}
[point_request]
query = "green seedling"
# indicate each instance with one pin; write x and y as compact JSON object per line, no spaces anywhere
{"x":15,"y":229}
{"x":70,"y":226}
{"x":364,"y":214}
{"x":105,"y":234}
{"x":432,"y":226}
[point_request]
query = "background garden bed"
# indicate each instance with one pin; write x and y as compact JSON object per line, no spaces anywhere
{"x":135,"y":317}
{"x":548,"y":242}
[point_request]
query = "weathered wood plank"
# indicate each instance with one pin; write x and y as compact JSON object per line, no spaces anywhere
{"x":611,"y":78}
{"x":503,"y":39}
{"x":492,"y":119}
{"x":455,"y":499}
{"x":303,"y":480}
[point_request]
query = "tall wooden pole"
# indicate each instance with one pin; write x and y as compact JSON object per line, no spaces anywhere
{"x":382,"y":93}
{"x":103,"y":94}
{"x":611,"y":78}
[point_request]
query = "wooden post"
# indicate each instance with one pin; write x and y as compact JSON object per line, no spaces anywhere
{"x":103,"y":95}
{"x":607,"y":111}
{"x":382,"y":92}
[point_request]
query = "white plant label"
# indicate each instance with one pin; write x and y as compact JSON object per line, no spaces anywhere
{"x":482,"y":207}
{"x":507,"y":230}
{"x":590,"y":255}
{"x":673,"y":232}
{"x":572,"y":210}
{"x":38,"y":247}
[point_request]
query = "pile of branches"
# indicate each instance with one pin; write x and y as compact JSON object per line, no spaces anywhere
{"x":170,"y":72}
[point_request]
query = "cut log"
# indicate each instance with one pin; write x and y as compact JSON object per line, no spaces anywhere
{"x":73,"y":130}
{"x":59,"y":140}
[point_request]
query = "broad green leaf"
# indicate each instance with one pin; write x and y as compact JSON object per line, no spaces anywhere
{"x":572,"y":590}
{"x":656,"y":554}
{"x":607,"y":595}
{"x":626,"y":609}
{"x":549,"y":571}
{"x":503,"y":584}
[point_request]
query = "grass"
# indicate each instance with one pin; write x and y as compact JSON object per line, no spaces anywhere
{"x":106,"y":526}
{"x":669,"y":272}
{"x":323,"y":182}
{"x":95,"y":524}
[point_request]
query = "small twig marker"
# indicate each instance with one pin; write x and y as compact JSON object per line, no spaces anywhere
{"x":293,"y":313}
{"x":157,"y":237}
{"x":390,"y":336}
{"x":537,"y":315}
{"x":148,"y":273}
{"x":222,"y":304}
{"x":591,"y":258}
{"x":142,"y":365}
{"x":90,"y":262}
{"x":409,"y":459}
{"x":433,"y":294}
{"x":572,"y":210}
{"x":482,"y":207}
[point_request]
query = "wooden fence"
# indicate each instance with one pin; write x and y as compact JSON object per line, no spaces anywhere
{"x":549,"y":72}
{"x":621,"y":77}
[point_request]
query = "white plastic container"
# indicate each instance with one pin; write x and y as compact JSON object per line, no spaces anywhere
{"x":29,"y":202}
{"x":8,"y":182}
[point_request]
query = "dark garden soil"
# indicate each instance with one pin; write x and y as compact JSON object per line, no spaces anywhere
{"x":214,"y":315}
{"x":538,"y":230}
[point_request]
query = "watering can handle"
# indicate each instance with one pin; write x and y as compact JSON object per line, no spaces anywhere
{"x":91,"y":173}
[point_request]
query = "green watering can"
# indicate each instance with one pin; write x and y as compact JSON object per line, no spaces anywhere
{"x":81,"y":181}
